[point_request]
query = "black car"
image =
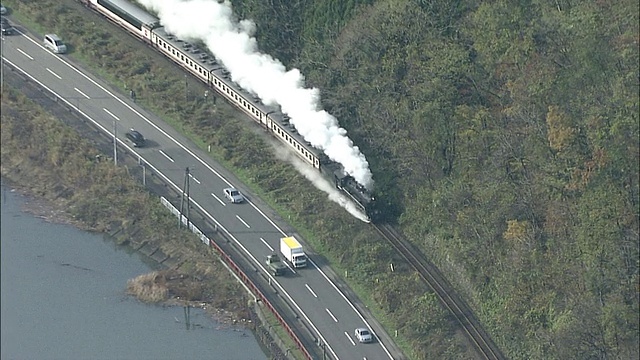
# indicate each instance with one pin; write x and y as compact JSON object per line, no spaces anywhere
{"x":7,"y":29}
{"x":136,"y":138}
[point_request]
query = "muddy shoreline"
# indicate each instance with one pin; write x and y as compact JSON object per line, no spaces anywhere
{"x":57,"y":160}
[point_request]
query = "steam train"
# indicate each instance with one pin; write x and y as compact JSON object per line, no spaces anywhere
{"x":204,"y":66}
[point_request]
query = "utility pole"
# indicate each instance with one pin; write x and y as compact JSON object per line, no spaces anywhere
{"x":186,"y":88}
{"x":187,"y":316}
{"x":185,"y":191}
{"x":2,"y":65}
{"x":144,"y":176}
{"x":115,"y":149}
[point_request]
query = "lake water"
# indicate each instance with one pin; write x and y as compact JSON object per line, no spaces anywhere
{"x":63,"y":297}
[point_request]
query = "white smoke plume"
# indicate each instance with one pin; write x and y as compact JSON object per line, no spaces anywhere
{"x":233,"y":44}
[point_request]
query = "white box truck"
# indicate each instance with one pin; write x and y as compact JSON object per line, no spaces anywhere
{"x":293,"y":252}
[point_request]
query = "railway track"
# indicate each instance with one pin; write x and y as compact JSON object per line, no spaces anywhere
{"x":473,"y":330}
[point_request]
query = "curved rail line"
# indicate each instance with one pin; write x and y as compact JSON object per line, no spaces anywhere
{"x":474,"y":331}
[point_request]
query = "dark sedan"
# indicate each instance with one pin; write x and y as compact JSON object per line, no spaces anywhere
{"x":136,"y":138}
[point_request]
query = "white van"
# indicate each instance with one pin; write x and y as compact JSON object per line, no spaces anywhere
{"x":55,"y":44}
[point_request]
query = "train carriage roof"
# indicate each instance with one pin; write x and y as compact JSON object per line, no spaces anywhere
{"x":225,"y":77}
{"x":285,"y":124}
{"x":132,"y":10}
{"x":274,"y":112}
{"x":208,"y":62}
{"x":198,"y":55}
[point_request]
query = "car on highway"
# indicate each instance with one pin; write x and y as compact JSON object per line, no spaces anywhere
{"x":136,"y":138}
{"x":233,"y":195}
{"x":3,"y":10}
{"x":7,"y":28}
{"x":363,"y":335}
{"x":55,"y":44}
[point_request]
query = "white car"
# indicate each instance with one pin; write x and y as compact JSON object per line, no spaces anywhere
{"x":55,"y":44}
{"x":3,"y":10}
{"x":363,"y":335}
{"x":233,"y":195}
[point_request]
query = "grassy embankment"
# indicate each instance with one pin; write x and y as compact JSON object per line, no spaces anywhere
{"x":51,"y":160}
{"x":398,"y":299}
{"x":45,"y":156}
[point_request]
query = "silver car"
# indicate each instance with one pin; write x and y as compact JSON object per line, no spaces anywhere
{"x":233,"y":195}
{"x":363,"y":335}
{"x":55,"y":44}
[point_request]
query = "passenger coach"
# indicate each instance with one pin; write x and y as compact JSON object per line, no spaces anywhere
{"x":127,"y":15}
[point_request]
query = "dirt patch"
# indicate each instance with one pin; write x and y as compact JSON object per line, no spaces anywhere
{"x":170,"y":287}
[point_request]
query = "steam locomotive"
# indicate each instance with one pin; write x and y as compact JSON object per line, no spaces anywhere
{"x":204,"y":66}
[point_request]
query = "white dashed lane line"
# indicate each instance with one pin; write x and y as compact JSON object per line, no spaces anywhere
{"x":194,"y":179}
{"x":25,"y":54}
{"x":244,"y":222}
{"x":54,"y":74}
{"x":311,"y":291}
{"x":330,"y":314}
{"x":266,"y":244}
{"x":81,"y":93}
{"x":217,"y":198}
{"x":110,"y":113}
{"x":350,"y":339}
{"x":168,"y":157}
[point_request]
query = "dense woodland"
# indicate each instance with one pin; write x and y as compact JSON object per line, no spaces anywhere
{"x":504,"y":141}
{"x":504,"y":135}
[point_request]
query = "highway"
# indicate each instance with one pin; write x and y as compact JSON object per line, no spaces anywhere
{"x":310,"y":292}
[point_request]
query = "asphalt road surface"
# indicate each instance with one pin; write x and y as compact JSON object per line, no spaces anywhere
{"x":311,"y":292}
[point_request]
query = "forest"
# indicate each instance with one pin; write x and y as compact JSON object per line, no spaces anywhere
{"x":504,"y":141}
{"x":503,"y":137}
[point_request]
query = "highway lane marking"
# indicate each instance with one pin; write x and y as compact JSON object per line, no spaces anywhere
{"x":217,"y":198}
{"x":291,"y":268}
{"x":330,"y":314}
{"x":349,"y":337}
{"x":110,"y":113}
{"x":266,"y":244}
{"x":168,"y":157}
{"x":54,"y":74}
{"x":194,"y":179}
{"x":81,"y":93}
{"x":25,"y":54}
{"x":178,"y":188}
{"x":311,"y":291}
{"x":244,"y":222}
{"x":210,"y":168}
